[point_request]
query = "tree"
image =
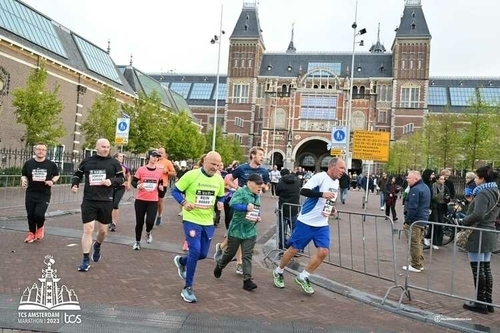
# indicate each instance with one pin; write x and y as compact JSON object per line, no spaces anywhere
{"x":228,"y":147}
{"x":39,"y":109}
{"x":479,"y":133}
{"x":101,"y":119}
{"x":184,"y":140}
{"x":147,"y":123}
{"x":444,"y":138}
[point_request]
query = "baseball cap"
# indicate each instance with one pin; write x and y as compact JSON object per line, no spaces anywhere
{"x":256,"y":178}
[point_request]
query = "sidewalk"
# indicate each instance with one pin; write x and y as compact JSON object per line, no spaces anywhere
{"x":130,"y":291}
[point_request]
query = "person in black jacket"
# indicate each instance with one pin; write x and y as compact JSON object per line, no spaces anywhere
{"x":102,"y":174}
{"x":288,"y":191}
{"x":344,"y":183}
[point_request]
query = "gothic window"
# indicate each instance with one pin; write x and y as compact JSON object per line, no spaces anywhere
{"x":410,"y":97}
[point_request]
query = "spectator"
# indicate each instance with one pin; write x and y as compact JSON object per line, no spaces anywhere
{"x":288,"y":191}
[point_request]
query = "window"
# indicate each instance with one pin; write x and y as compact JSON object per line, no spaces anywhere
{"x":97,"y":60}
{"x":490,"y":95}
{"x":404,"y":57}
{"x":240,"y":93}
{"x":220,"y":121}
{"x":239,"y":122}
{"x":382,"y":116}
{"x":437,"y":96}
{"x":181,"y":88}
{"x":462,"y":96}
{"x":331,"y":66}
{"x":242,"y":63}
{"x":279,"y":120}
{"x":355,"y":90}
{"x":201,"y":91}
{"x":318,"y":107}
{"x":420,"y":59}
{"x":235,"y":62}
{"x":260,"y":90}
{"x":384,"y":93}
{"x":238,"y":138}
{"x":222,"y":91}
{"x":408,"y":128}
{"x":410,"y":97}
{"x":362,"y":90}
{"x":249,"y":63}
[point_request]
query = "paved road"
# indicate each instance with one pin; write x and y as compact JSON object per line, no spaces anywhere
{"x":132,"y":290}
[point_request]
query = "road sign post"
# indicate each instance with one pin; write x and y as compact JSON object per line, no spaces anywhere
{"x":122,"y":131}
{"x":371,"y":145}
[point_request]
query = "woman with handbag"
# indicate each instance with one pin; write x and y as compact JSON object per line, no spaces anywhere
{"x":482,"y":213}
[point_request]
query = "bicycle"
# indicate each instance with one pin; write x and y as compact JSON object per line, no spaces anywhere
{"x":453,"y":218}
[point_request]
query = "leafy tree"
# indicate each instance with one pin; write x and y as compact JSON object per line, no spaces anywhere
{"x":228,"y":148}
{"x":184,"y":140}
{"x":147,"y":123}
{"x":479,"y":133}
{"x":444,"y":138}
{"x":39,"y":109}
{"x":101,"y":119}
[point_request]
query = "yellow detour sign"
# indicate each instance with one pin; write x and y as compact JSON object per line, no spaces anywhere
{"x":121,"y":141}
{"x":370,"y":145}
{"x":336,"y":152}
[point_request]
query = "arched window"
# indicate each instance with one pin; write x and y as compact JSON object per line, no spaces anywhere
{"x":362,"y":90}
{"x":355,"y":90}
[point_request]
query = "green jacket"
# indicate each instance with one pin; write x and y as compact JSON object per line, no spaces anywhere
{"x":241,"y":227}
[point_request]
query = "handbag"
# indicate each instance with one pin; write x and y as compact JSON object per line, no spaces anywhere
{"x":463,"y":235}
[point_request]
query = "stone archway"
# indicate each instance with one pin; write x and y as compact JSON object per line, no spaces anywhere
{"x":307,"y":153}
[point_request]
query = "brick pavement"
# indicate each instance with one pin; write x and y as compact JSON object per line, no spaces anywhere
{"x":147,"y":280}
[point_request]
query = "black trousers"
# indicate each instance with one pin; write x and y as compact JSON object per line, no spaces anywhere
{"x":143,"y":209}
{"x":228,"y":213}
{"x":273,"y":188}
{"x":36,"y":206}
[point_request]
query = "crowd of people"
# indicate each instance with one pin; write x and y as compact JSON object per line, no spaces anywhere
{"x":207,"y":189}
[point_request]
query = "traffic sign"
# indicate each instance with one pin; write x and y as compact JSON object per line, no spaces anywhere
{"x":371,"y":145}
{"x":337,"y":152}
{"x":122,"y":130}
{"x":339,"y":136}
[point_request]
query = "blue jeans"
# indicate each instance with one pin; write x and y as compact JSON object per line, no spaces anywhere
{"x":475,"y":256}
{"x":198,"y":238}
{"x":382,"y":198}
{"x":343,"y":194}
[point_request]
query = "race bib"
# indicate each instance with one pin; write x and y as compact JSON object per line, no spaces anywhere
{"x":253,"y":215}
{"x":149,"y":185}
{"x":204,"y":199}
{"x":39,"y":175}
{"x":96,"y":177}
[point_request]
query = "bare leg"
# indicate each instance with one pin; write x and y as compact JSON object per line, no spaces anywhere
{"x":102,"y":232}
{"x":114,"y":216}
{"x":287,"y":256}
{"x":316,"y":259}
{"x":88,"y":229}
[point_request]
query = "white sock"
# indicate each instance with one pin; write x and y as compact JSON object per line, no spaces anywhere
{"x":279,"y":270}
{"x":303,"y":275}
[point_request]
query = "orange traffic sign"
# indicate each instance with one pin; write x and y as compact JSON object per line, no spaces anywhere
{"x":371,"y":145}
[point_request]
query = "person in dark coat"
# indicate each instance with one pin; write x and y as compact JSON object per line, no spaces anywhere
{"x":344,"y":184}
{"x":391,"y":195}
{"x":484,"y":210}
{"x":288,"y":191}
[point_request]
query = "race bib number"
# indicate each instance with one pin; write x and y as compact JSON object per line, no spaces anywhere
{"x":253,"y":215}
{"x":204,"y":199}
{"x":39,"y":175}
{"x":96,"y":177}
{"x":149,"y":185}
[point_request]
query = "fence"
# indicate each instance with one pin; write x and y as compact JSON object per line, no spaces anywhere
{"x":364,"y":243}
{"x":445,"y":267}
{"x":67,"y":163}
{"x":12,"y":195}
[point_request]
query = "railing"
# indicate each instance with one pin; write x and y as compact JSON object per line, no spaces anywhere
{"x":448,"y":267}
{"x":375,"y":257}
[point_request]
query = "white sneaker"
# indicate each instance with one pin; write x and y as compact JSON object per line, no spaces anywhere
{"x":427,"y":242}
{"x":382,"y":208}
{"x":435,"y":247}
{"x":149,"y":238}
{"x":218,"y":252}
{"x":180,"y":214}
{"x":137,"y":246}
{"x":412,"y":269}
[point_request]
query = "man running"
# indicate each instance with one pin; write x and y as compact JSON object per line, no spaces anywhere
{"x":38,"y":176}
{"x":102,"y":174}
{"x":312,"y":223}
{"x":197,"y":191}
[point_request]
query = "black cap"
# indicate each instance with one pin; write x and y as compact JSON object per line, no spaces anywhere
{"x":153,"y":153}
{"x":256,"y":178}
{"x":284,"y":172}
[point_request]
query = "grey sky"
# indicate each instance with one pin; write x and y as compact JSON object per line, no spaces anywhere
{"x":166,"y":35}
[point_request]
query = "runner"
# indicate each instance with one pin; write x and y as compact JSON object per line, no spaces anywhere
{"x":168,"y":171}
{"x":38,"y":176}
{"x":312,"y":223}
{"x":102,"y":173}
{"x":120,"y":190}
{"x":241,"y":173}
{"x":202,"y":188}
{"x":148,"y":180}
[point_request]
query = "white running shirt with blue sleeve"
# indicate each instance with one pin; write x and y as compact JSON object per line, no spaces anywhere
{"x":310,"y":213}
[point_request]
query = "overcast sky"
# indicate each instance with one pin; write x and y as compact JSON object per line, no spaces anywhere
{"x":174,"y":35}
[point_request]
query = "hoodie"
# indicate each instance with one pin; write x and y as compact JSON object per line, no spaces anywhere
{"x":288,"y":191}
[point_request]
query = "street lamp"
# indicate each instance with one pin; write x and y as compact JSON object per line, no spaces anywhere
{"x":349,"y":106}
{"x":217,"y":39}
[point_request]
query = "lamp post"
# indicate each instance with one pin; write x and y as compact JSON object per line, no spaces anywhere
{"x":217,"y":39}
{"x":349,"y":106}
